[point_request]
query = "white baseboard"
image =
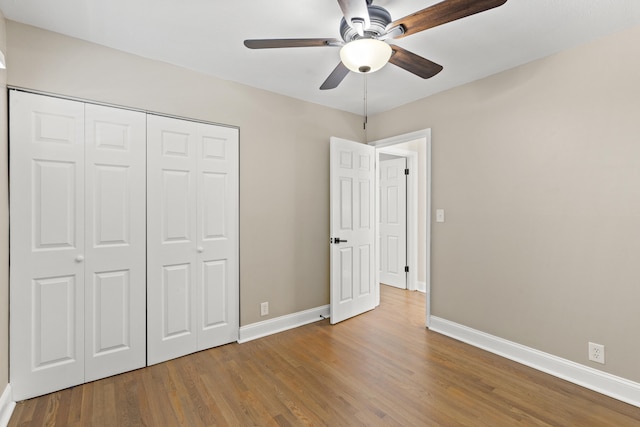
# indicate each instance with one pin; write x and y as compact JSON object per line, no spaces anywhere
{"x":282,"y":323}
{"x":6,"y":406}
{"x":593,"y":379}
{"x":421,"y":287}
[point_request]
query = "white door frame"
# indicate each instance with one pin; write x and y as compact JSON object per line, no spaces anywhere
{"x":385,"y":145}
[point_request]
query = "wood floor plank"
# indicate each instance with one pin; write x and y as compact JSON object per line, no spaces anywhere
{"x":381,"y":368}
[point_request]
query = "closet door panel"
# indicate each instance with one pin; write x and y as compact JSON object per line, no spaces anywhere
{"x":218,"y":250}
{"x":47,"y":244}
{"x":171,"y":233}
{"x":115,"y":241}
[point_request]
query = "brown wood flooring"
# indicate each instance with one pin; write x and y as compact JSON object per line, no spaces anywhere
{"x":380,"y":368}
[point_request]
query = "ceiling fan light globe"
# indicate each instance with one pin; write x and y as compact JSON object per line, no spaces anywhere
{"x":365,"y":55}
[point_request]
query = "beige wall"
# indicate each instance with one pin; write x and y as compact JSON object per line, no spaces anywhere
{"x":284,"y":154}
{"x":538,"y":169}
{"x":4,"y":219}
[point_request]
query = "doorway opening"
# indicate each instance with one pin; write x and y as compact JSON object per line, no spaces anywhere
{"x":392,"y":209}
{"x":414,"y":149}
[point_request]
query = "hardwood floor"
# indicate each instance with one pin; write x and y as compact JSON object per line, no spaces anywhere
{"x":380,"y":368}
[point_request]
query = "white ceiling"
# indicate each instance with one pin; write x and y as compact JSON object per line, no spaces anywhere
{"x":207,"y":36}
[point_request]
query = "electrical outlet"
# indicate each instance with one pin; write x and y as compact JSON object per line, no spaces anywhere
{"x":264,"y":308}
{"x":596,"y":353}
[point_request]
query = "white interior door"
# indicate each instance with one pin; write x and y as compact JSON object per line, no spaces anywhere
{"x":115,"y":265}
{"x":193,"y":237}
{"x":352,"y":198}
{"x":393,"y":222}
{"x":47,"y":244}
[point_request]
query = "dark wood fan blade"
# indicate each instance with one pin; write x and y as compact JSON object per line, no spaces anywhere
{"x":441,"y":13}
{"x":413,"y":63}
{"x":355,"y":9}
{"x":278,"y":43}
{"x":336,"y":77}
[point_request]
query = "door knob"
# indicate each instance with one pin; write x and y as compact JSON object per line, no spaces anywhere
{"x":337,"y":240}
{"x":79,"y":258}
{"x":200,"y":249}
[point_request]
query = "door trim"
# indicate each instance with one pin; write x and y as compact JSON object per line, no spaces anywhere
{"x":424,"y":134}
{"x":118,"y":106}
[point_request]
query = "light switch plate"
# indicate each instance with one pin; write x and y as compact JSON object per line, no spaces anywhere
{"x":439,"y":215}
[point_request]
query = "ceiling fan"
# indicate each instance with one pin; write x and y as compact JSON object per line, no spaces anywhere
{"x":366,"y":29}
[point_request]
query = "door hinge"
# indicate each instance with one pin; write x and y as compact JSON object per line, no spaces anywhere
{"x":406,"y":171}
{"x":406,"y":268}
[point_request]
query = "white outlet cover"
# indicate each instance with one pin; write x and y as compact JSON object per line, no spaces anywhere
{"x":596,"y":353}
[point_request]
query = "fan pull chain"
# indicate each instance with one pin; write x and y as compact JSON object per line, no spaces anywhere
{"x":365,"y":107}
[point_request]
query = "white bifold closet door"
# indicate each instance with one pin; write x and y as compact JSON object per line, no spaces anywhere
{"x":115,"y":219}
{"x":192,"y":232}
{"x":77,"y":191}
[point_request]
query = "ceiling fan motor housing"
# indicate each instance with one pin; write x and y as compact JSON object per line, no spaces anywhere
{"x":379,"y":18}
